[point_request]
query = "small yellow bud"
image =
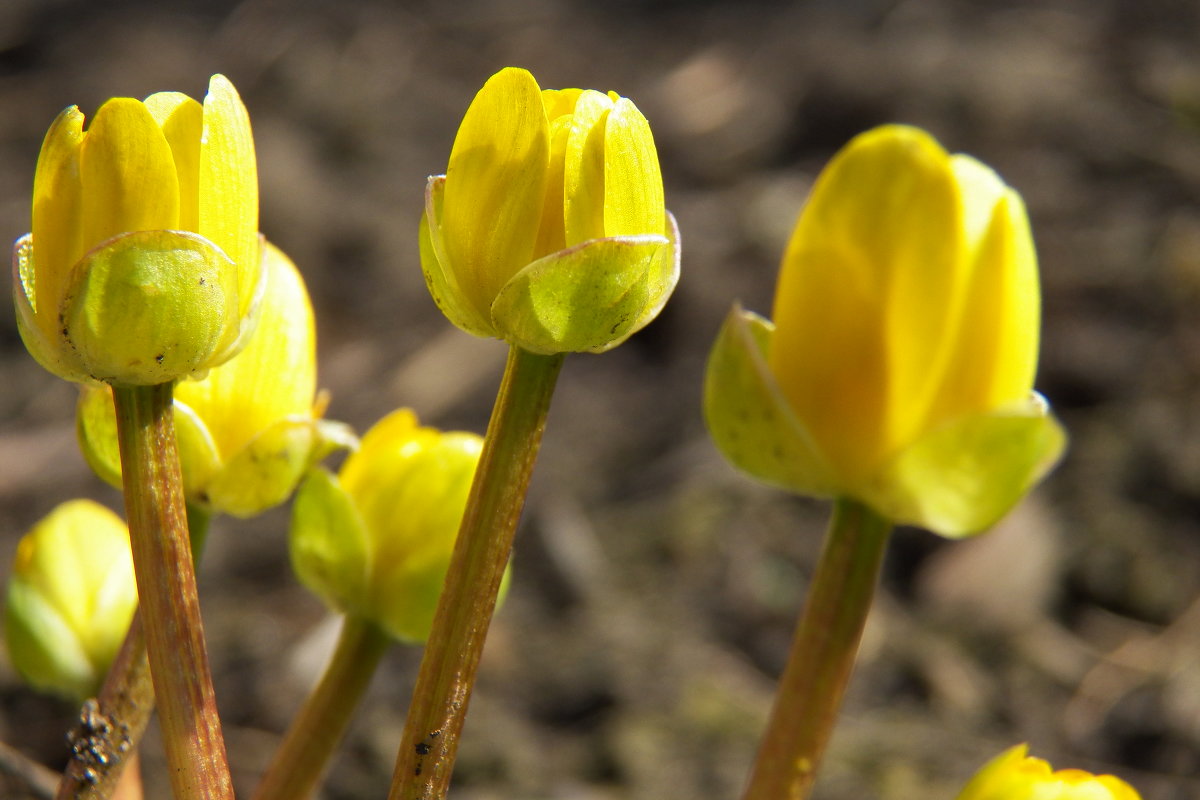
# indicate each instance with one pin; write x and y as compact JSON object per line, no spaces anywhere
{"x":375,"y":540}
{"x":1013,"y":775}
{"x":143,"y":263}
{"x":251,"y":427}
{"x":70,"y":599}
{"x":548,"y":229}
{"x":899,"y":368}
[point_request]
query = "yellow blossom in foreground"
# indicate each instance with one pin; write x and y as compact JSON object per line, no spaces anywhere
{"x":143,"y":263}
{"x":70,"y":599}
{"x":375,"y":540}
{"x":899,"y":369}
{"x":1013,"y":775}
{"x":548,"y":229}
{"x":250,"y":429}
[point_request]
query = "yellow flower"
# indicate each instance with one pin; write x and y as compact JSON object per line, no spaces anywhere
{"x":1013,"y":775}
{"x":250,"y":428}
{"x":70,"y":599}
{"x":899,"y":369}
{"x":375,"y":541}
{"x":548,"y":229}
{"x":143,"y":263}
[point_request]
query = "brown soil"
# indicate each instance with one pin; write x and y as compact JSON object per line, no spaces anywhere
{"x":655,"y":588}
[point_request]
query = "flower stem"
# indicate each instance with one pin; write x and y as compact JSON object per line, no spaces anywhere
{"x":319,"y":726}
{"x":822,"y":654}
{"x":481,"y":552}
{"x":169,"y":605}
{"x":107,"y":735}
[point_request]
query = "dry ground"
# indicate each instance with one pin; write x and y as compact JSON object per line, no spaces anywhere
{"x":655,"y":588}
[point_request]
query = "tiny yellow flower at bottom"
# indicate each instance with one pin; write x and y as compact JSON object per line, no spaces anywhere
{"x":1014,"y":775}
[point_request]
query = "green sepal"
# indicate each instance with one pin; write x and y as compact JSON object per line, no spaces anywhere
{"x":328,"y":543}
{"x":748,"y":417}
{"x":48,"y":352}
{"x":961,"y":478}
{"x":591,"y":297}
{"x":150,"y":307}
{"x":442,"y":283}
{"x":264,"y":473}
{"x":584,"y":298}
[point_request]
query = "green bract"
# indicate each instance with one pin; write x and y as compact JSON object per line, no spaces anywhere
{"x":548,"y":229}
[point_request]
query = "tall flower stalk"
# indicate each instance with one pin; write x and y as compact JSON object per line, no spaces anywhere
{"x":162,"y":560}
{"x":447,"y":675}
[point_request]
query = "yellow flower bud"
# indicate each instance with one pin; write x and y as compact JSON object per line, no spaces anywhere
{"x":70,"y":599}
{"x":548,"y":229}
{"x":143,"y":263}
{"x":1013,"y":775}
{"x":250,"y":428}
{"x":899,"y":369}
{"x":375,"y":540}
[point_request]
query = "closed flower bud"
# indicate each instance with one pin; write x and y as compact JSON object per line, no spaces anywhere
{"x":899,"y":369}
{"x":548,"y":229}
{"x":375,"y":540}
{"x":70,"y":599}
{"x":251,"y":428}
{"x":1013,"y":775}
{"x":143,"y":263}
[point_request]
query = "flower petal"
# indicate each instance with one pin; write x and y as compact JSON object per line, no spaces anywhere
{"x":57,"y":204}
{"x":861,"y":310}
{"x":495,"y":184}
{"x":633,"y":188}
{"x":442,"y":282}
{"x":182,"y":121}
{"x":996,"y":349}
{"x":584,"y":169}
{"x":279,"y":361}
{"x":128,"y":174}
{"x":228,"y":185}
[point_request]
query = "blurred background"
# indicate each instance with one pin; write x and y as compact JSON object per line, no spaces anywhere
{"x":655,"y":589}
